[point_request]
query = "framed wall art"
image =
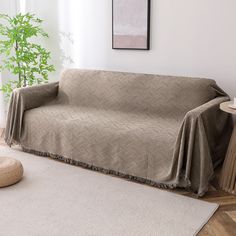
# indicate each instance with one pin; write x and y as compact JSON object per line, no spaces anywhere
{"x":131,"y":24}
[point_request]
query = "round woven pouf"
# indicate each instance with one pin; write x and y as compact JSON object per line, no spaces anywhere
{"x":11,"y":171}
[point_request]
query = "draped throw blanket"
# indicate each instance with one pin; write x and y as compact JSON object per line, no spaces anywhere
{"x":162,"y":130}
{"x":22,"y":100}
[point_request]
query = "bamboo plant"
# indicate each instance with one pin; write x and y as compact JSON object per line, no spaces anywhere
{"x":21,"y":56}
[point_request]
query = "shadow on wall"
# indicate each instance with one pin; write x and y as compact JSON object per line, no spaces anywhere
{"x":65,"y":38}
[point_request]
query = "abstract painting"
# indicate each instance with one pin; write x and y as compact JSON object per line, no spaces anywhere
{"x":130,"y":24}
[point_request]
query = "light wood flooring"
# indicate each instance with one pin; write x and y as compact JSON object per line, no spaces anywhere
{"x":223,"y":222}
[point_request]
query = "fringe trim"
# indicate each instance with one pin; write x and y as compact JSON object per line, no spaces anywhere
{"x":100,"y":169}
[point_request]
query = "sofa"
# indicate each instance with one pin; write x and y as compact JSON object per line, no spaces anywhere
{"x":160,"y":130}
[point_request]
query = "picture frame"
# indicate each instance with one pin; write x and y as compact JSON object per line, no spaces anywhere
{"x":131,"y":24}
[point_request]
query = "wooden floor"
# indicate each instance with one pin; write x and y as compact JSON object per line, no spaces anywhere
{"x":223,"y":222}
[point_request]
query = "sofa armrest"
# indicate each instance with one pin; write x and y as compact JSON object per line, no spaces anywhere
{"x":203,"y":141}
{"x":23,"y":99}
{"x":208,"y":107}
{"x":216,"y":124}
{"x":35,"y":96}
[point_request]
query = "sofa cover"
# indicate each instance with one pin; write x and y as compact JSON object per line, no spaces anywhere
{"x":161,"y":130}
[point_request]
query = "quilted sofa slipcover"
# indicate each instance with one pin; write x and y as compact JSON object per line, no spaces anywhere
{"x":161,"y":130}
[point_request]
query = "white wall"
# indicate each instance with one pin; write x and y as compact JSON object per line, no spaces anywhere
{"x":188,"y":37}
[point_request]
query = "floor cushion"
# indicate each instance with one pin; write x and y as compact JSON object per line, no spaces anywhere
{"x":11,"y":171}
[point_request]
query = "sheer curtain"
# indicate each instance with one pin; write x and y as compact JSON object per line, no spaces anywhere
{"x":2,"y":107}
{"x":9,"y":7}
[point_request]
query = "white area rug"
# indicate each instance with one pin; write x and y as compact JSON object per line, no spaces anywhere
{"x":57,"y":199}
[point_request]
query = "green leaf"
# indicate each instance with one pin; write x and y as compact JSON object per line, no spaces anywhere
{"x":21,"y":56}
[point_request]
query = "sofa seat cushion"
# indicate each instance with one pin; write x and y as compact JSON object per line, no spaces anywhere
{"x":130,"y":143}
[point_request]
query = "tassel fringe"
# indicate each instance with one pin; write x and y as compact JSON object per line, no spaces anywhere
{"x":100,"y":169}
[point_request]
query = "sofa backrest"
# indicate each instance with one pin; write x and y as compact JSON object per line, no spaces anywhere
{"x":134,"y":92}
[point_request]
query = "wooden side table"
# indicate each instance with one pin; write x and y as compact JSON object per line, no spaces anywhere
{"x":228,"y":173}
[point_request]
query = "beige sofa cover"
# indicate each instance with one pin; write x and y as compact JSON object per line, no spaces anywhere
{"x":161,"y":130}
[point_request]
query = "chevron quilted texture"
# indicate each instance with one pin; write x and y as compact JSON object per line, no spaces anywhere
{"x":134,"y":92}
{"x":159,"y":128}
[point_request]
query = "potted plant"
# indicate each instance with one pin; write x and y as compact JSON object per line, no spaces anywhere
{"x":21,"y":55}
